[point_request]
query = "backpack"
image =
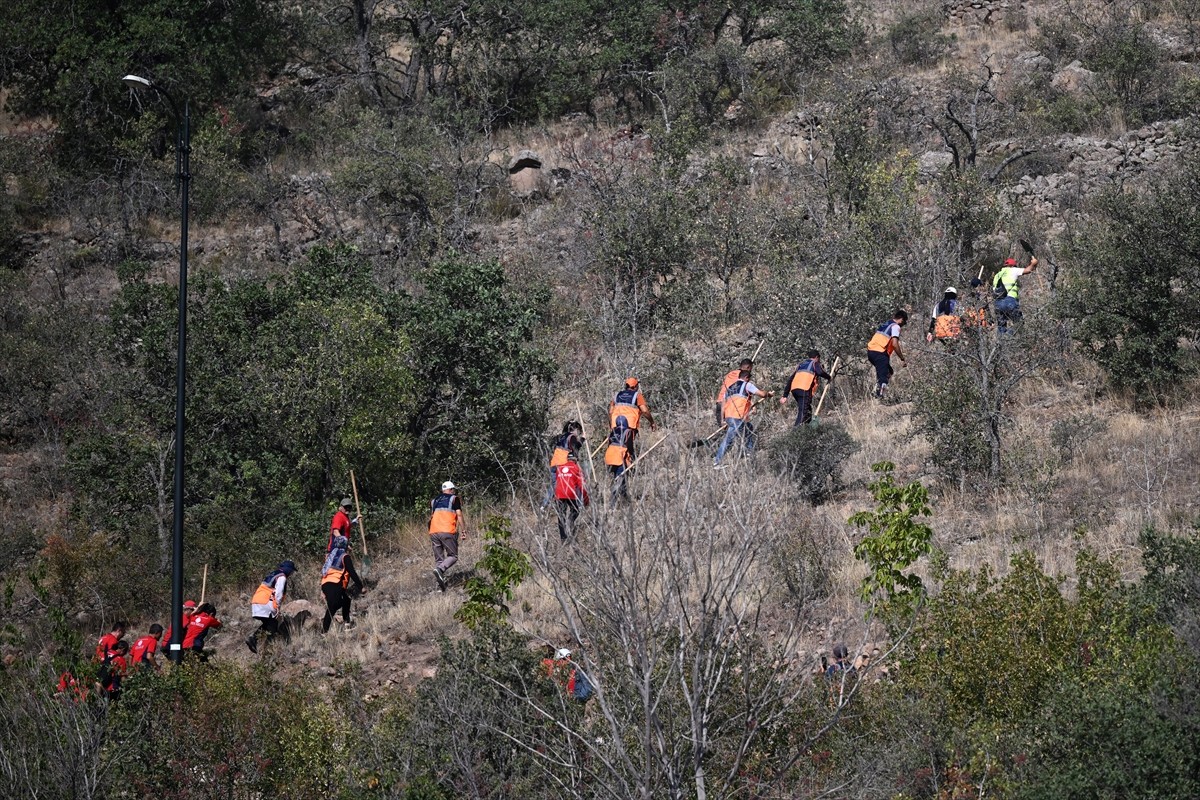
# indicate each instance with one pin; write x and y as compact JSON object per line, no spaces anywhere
{"x":105,"y":674}
{"x":999,"y":290}
{"x":582,"y":690}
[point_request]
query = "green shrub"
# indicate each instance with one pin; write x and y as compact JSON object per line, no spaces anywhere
{"x":917,"y":40}
{"x":812,"y":457}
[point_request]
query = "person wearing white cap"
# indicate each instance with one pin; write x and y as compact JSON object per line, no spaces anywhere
{"x":445,"y":526}
{"x":944,"y":322}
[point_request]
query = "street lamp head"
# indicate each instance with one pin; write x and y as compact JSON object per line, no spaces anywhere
{"x":137,"y":82}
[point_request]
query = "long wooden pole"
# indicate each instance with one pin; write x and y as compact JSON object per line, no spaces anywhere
{"x":836,"y":361}
{"x":362,"y":528}
{"x":204,"y":584}
{"x":583,"y":431}
{"x":760,"y":346}
{"x":648,"y":452}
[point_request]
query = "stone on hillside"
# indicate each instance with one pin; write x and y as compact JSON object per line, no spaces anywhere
{"x":296,"y":606}
{"x":526,"y":177}
{"x":1073,"y":78}
{"x":934,"y":162}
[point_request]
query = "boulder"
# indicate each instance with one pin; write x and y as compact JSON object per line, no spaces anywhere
{"x":526,"y":178}
{"x":1073,"y":78}
{"x":294,"y":607}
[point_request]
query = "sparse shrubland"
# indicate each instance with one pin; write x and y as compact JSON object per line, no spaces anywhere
{"x":425,"y":235}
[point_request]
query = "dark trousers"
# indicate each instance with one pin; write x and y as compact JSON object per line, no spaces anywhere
{"x":267,"y":628}
{"x":336,"y":599}
{"x":620,"y":487}
{"x":883,"y":366}
{"x":568,"y":513}
{"x":803,"y":405}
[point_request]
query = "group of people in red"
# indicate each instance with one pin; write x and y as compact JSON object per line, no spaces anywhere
{"x":115,"y":658}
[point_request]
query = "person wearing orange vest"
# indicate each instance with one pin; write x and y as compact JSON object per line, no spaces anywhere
{"x":566,"y":447}
{"x":445,"y":525}
{"x":144,"y":648}
{"x":726,"y":382}
{"x":618,"y":458}
{"x":336,"y":575}
{"x":109,"y":641}
{"x":341,"y":524}
{"x":189,"y":609}
{"x":804,"y":384}
{"x":630,"y":404}
{"x":736,"y":410}
{"x":944,"y":322}
{"x":204,"y":620}
{"x":571,"y":497}
{"x":879,"y":350}
{"x":266,"y":602}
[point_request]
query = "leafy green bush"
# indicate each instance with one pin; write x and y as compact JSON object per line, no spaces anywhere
{"x":812,"y":456}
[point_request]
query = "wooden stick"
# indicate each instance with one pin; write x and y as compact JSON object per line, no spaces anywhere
{"x":204,"y":584}
{"x":583,"y":431}
{"x":836,"y":361}
{"x":362,"y":528}
{"x":599,"y":447}
{"x":761,"y":342}
{"x":648,"y":452}
{"x":979,"y":277}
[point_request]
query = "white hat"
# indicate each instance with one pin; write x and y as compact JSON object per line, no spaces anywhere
{"x":951,"y":290}
{"x":562,"y":653}
{"x":448,"y":485}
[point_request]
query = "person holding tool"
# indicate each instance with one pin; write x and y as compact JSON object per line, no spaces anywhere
{"x":737,"y":408}
{"x":804,"y":384}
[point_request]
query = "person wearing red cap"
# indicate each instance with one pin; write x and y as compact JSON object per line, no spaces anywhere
{"x":1006,"y":288}
{"x":631,"y":404}
{"x":189,"y":610}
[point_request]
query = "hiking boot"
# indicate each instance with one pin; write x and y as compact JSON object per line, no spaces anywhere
{"x":441,"y":578}
{"x":252,"y":643}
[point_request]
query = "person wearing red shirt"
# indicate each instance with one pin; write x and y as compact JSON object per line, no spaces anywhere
{"x":109,"y":640}
{"x":144,"y":648}
{"x":341,"y":524}
{"x":112,"y":670}
{"x":570,"y":497}
{"x":71,"y":688}
{"x":189,"y":608}
{"x":204,"y":620}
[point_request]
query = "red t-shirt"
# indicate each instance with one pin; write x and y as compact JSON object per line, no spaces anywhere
{"x":197,"y":629}
{"x":339,"y":527}
{"x":187,"y":620}
{"x":117,"y":667}
{"x":144,"y":645}
{"x":568,"y":483}
{"x":107,"y":642}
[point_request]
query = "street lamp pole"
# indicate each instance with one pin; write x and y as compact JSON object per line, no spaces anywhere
{"x":183,"y":178}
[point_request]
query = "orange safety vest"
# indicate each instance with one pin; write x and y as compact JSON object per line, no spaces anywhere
{"x":805,"y":378}
{"x":737,"y":400}
{"x":947,"y":326}
{"x":729,"y":379}
{"x":265,"y":593}
{"x":882,"y":342}
{"x":627,"y":403}
{"x":445,"y":518}
{"x":561,"y":454}
{"x":617,"y":454}
{"x":341,"y":576}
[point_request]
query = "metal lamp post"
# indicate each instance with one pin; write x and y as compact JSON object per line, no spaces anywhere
{"x":183,"y":178}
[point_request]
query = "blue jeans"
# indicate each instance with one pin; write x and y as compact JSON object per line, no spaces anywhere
{"x":734,"y":427}
{"x":1008,"y":312}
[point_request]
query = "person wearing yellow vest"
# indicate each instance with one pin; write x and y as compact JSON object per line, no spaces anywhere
{"x":804,"y":385}
{"x":1007,"y":291}
{"x":618,"y":458}
{"x":267,"y":599}
{"x":566,"y":448}
{"x":726,"y":382}
{"x":446,"y":524}
{"x":736,"y":410}
{"x":336,"y":575}
{"x":944,"y":322}
{"x":630,"y":404}
{"x":879,"y":350}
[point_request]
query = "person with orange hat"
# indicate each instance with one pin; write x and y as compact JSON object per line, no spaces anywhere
{"x":1007,"y":291}
{"x":631,"y":404}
